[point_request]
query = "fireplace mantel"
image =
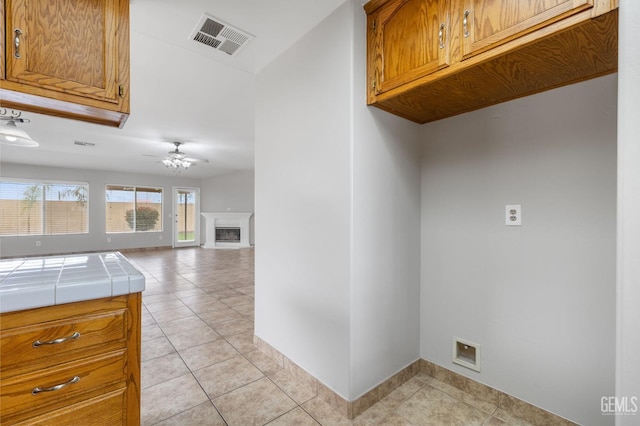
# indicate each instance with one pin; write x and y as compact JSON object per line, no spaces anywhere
{"x":226,"y":220}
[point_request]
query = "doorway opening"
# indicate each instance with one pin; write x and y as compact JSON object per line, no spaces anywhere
{"x":186,"y":217}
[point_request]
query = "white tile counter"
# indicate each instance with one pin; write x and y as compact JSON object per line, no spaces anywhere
{"x":35,"y":282}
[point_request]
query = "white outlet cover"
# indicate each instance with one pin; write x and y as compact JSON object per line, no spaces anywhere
{"x":513,"y":214}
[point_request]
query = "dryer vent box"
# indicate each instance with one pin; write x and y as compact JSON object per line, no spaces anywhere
{"x":466,"y":353}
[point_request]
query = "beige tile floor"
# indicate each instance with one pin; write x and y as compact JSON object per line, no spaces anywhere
{"x":200,"y":367}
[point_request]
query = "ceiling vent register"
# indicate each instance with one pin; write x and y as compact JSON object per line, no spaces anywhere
{"x":219,"y":35}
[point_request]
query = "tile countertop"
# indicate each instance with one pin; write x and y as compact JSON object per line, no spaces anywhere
{"x":34,"y":282}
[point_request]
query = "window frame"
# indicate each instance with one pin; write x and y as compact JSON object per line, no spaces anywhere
{"x":112,"y":187}
{"x":43,"y":183}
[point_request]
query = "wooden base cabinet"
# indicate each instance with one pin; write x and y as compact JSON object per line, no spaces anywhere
{"x":67,"y":58}
{"x":428,"y":59}
{"x":72,"y":364}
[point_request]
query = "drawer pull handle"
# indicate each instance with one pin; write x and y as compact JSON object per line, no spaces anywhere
{"x":56,"y":341}
{"x":38,"y":390}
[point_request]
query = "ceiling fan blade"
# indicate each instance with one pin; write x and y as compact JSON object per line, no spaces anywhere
{"x":192,"y":160}
{"x":179,"y":154}
{"x":196,"y":160}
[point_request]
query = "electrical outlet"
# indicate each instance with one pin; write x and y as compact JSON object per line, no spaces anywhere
{"x":38,"y":243}
{"x":513,"y":214}
{"x":108,"y":239}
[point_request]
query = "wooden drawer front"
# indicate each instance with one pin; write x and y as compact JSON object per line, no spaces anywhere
{"x":93,"y":374}
{"x":105,"y":410}
{"x":17,"y":345}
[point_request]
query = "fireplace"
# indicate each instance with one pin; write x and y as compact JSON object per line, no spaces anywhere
{"x":228,"y":234}
{"x":227,"y":230}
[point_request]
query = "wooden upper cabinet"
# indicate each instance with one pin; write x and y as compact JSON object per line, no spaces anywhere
{"x":69,"y":48}
{"x":489,"y":51}
{"x":68,"y":58}
{"x":487,"y":24}
{"x":408,"y":39}
{"x":2,"y":49}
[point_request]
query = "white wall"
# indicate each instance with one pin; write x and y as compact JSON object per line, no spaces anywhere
{"x":303,"y":202}
{"x":539,"y":299}
{"x":385,"y":306}
{"x":628,"y":326}
{"x":337,"y":203}
{"x":231,"y":192}
{"x":96,"y":239}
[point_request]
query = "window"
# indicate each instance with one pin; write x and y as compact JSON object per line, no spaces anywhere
{"x":133,"y":209}
{"x":43,"y":208}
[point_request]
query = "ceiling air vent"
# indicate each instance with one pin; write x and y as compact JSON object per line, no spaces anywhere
{"x":219,"y":35}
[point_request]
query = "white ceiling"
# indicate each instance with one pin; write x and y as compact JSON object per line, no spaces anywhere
{"x":180,"y":90}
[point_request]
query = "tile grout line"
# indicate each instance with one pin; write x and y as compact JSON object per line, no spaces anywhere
{"x":264,"y":375}
{"x":191,"y":372}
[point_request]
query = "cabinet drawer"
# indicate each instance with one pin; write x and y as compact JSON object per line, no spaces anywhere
{"x":59,"y":386}
{"x":45,"y":342}
{"x":105,"y":410}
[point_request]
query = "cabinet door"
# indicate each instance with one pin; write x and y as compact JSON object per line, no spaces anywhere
{"x":66,"y":46}
{"x":410,"y":41}
{"x":487,"y":24}
{"x":2,"y":49}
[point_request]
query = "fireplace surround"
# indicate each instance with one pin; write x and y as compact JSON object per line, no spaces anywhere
{"x":227,"y":229}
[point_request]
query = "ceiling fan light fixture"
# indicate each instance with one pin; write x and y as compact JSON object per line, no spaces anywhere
{"x":177,"y":160}
{"x":176,"y":164}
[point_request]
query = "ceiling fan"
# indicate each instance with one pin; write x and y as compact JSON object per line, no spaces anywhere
{"x":178,"y":160}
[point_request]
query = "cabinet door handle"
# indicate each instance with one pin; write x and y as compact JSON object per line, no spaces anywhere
{"x":38,"y":390}
{"x":465,"y":21}
{"x":16,"y":43}
{"x":441,"y":36}
{"x":56,"y":341}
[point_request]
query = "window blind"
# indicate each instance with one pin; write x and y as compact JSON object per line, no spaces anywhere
{"x":43,"y":207}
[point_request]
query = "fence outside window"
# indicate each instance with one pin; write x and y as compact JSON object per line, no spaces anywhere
{"x":43,"y":207}
{"x":133,"y":209}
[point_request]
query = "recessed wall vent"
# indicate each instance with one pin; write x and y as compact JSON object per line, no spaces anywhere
{"x":466,"y":353}
{"x":219,"y":35}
